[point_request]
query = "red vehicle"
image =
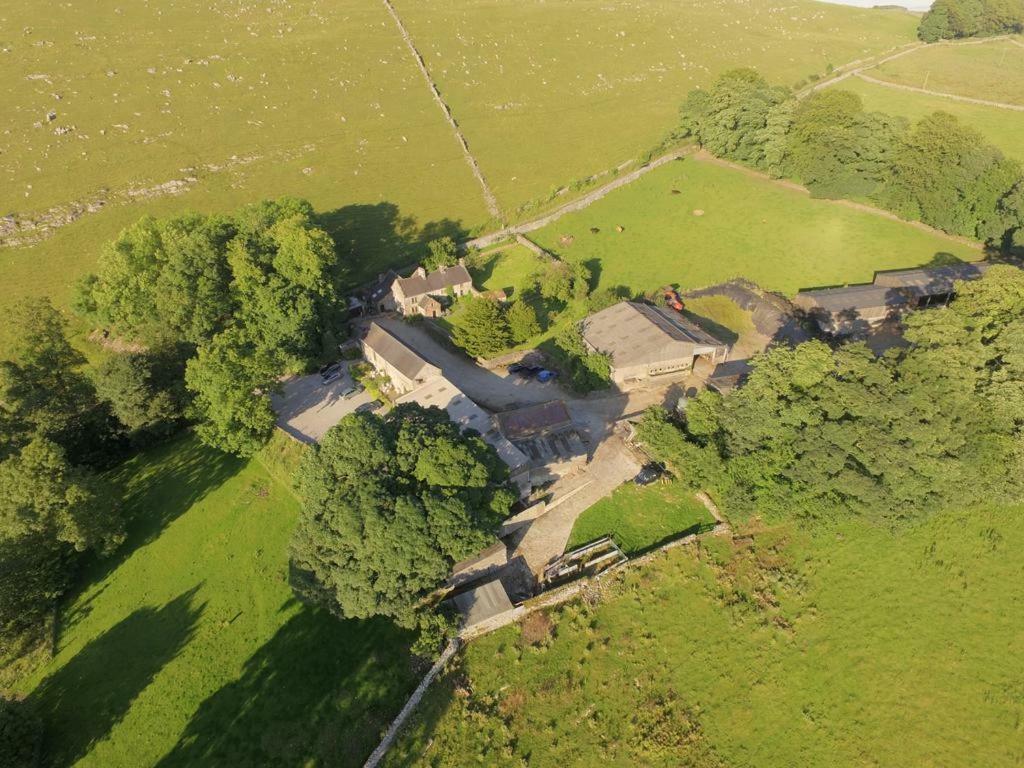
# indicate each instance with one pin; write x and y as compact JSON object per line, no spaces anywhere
{"x":673,"y":299}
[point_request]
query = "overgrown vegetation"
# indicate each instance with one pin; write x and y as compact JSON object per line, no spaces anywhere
{"x":937,"y":170}
{"x":819,"y":433}
{"x":389,"y":504}
{"x":773,"y":647}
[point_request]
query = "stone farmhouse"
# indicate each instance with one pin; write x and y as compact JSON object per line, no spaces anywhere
{"x":423,"y":293}
{"x":648,"y":343}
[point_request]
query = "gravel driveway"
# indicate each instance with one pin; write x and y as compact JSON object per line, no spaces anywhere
{"x":307,"y":408}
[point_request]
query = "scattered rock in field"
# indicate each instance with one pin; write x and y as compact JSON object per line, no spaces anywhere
{"x":698,"y":212}
{"x":51,"y":115}
{"x":61,"y":130}
{"x":676,"y":192}
{"x":594,"y":230}
{"x":307,"y":171}
{"x":566,"y":239}
{"x":619,"y":228}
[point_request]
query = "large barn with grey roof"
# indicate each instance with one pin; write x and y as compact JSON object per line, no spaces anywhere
{"x":647,"y":342}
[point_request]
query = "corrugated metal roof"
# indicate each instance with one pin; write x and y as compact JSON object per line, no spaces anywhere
{"x":851,"y":298}
{"x":931,"y":281}
{"x":638,"y":334}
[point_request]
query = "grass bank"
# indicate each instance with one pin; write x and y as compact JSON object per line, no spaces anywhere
{"x":854,"y":646}
{"x":188,"y":647}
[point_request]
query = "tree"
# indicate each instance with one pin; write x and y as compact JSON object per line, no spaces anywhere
{"x":49,"y":510}
{"x":442,"y":252}
{"x":20,"y":735}
{"x":947,"y":176}
{"x":836,"y":149}
{"x":967,"y":18}
{"x":522,"y":321}
{"x":43,"y":393}
{"x":585,"y":370}
{"x":231,"y":379}
{"x":730,"y":118}
{"x":480,"y":327}
{"x":389,"y":504}
{"x":286,"y":281}
{"x":145,"y":390}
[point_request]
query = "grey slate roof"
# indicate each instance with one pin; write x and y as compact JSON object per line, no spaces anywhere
{"x":434,"y":282}
{"x":931,"y":281}
{"x":639,"y":334}
{"x":397,"y":354}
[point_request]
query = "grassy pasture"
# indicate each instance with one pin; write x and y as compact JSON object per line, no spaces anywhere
{"x":314,"y":99}
{"x":189,"y":649}
{"x":1001,"y":127}
{"x":551,"y":91}
{"x":640,"y":517}
{"x":507,"y":269}
{"x":855,"y":646}
{"x":750,"y":227}
{"x":992,"y":71}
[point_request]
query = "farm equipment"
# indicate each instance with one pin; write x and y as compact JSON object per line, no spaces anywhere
{"x":673,"y":299}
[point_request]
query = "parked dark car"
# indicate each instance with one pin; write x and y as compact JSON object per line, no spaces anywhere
{"x":526,"y":371}
{"x":649,"y":473}
{"x":369,"y":407}
{"x":331,"y":375}
{"x":324,"y":370}
{"x":352,"y":391}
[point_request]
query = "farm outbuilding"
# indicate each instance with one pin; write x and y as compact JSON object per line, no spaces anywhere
{"x":646,"y":342}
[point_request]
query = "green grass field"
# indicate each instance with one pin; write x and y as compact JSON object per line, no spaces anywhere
{"x":188,"y":648}
{"x":853,"y":647}
{"x":507,"y":269}
{"x":993,"y":71}
{"x":641,"y":517}
{"x":551,"y":91}
{"x":750,"y":227}
{"x":1002,"y":127}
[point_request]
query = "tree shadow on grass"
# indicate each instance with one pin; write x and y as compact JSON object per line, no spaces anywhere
{"x":371,"y":238}
{"x":85,"y":699}
{"x":155,"y":488}
{"x":320,"y":692}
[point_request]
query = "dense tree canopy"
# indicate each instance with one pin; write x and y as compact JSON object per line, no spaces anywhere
{"x":389,"y":504}
{"x":256,"y":294}
{"x":442,"y":252}
{"x":481,"y":327}
{"x":145,"y":390}
{"x":937,"y":171}
{"x":817,"y":432}
{"x":968,"y":18}
{"x":43,"y":392}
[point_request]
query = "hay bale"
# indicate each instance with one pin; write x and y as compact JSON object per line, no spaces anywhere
{"x":619,"y":228}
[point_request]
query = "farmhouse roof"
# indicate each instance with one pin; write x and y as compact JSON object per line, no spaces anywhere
{"x":931,"y":281}
{"x":421,"y":282}
{"x":524,"y":422}
{"x":389,"y":348}
{"x":638,"y":334}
